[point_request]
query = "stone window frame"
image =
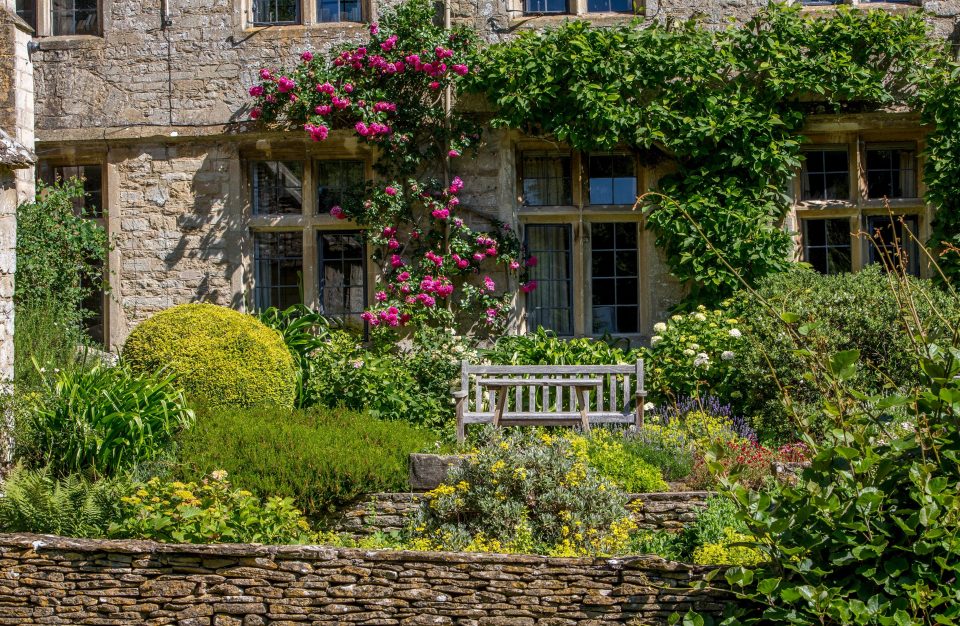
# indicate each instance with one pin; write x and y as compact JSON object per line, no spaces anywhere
{"x":310,"y":222}
{"x":307,"y":16}
{"x":856,"y":134}
{"x":580,"y":215}
{"x":44,"y":19}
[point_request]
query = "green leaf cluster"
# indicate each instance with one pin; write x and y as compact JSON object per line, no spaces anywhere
{"x":725,"y":108}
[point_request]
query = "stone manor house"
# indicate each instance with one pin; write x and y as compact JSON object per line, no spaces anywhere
{"x":146,"y":99}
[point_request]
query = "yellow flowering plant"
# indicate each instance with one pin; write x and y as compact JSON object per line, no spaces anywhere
{"x":525,"y":491}
{"x":210,"y":511}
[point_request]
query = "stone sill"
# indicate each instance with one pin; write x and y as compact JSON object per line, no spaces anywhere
{"x":289,"y":31}
{"x":70,"y":42}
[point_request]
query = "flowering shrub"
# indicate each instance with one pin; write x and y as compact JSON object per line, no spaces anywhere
{"x":694,"y":355}
{"x":525,"y":492}
{"x":613,"y":458}
{"x":389,"y":92}
{"x":208,"y":512}
{"x":390,"y":382}
{"x":751,"y":463}
{"x":704,"y":419}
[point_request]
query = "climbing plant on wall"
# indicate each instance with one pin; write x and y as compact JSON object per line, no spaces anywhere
{"x":392,"y":93}
{"x":726,"y":107}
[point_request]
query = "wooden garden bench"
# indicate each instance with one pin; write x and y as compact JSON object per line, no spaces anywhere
{"x":549,"y":395}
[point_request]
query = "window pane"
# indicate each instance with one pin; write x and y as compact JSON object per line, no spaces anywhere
{"x":278,"y":269}
{"x":277,"y":187}
{"x":612,"y":179}
{"x":889,"y":241}
{"x":74,"y":17}
{"x":276,"y":11}
{"x":91,"y":204}
{"x":545,"y":6}
{"x":550,"y":304}
{"x":337,"y":180}
{"x":338,"y":10}
{"x":27,"y":10}
{"x":826,"y":245}
{"x":343,"y":276}
{"x":891,"y":173}
{"x":615,"y":280}
{"x":546,"y":179}
{"x":826,"y":175}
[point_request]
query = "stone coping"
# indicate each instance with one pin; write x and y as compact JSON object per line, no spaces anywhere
{"x":54,"y":543}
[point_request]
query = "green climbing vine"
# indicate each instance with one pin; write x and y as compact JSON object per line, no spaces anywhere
{"x":726,"y":107}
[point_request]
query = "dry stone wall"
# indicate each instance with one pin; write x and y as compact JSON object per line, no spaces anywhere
{"x":387,"y":512}
{"x":52,"y":580}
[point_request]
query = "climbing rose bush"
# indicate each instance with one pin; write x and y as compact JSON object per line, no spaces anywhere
{"x":390,"y":92}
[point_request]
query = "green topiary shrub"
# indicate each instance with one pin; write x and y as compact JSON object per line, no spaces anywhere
{"x":221,"y":358}
{"x":322,"y":458}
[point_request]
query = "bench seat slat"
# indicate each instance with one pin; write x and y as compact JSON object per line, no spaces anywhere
{"x":551,"y":369}
{"x":563,"y":382}
{"x":535,"y":418}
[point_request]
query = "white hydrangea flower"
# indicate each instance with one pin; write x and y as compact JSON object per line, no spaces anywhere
{"x":727,"y":355}
{"x":649,"y":406}
{"x":660,"y":327}
{"x":735,"y":333}
{"x":677,"y":318}
{"x":702,"y":360}
{"x":700,"y":317}
{"x":694,"y":346}
{"x":689,"y":352}
{"x":655,"y":340}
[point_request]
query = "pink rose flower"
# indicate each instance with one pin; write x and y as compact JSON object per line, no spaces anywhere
{"x":390,"y":191}
{"x":381,"y":296}
{"x":255,"y":114}
{"x":285,"y":84}
{"x":393,"y":244}
{"x":528,"y":286}
{"x":456,"y":185}
{"x":338,"y":213}
{"x":256,"y":91}
{"x":265,"y":74}
{"x":396,"y":261}
{"x":374,"y":28}
{"x":307,"y":56}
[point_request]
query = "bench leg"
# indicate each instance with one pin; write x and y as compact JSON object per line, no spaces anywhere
{"x":582,"y":406}
{"x":461,"y":427}
{"x":501,"y":403}
{"x":640,"y":410}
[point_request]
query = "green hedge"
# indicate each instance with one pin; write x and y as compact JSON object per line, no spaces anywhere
{"x":219,"y":356}
{"x":844,"y":312}
{"x":321,"y":457}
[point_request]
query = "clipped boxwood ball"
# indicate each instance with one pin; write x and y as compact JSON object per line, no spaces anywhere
{"x":221,"y":357}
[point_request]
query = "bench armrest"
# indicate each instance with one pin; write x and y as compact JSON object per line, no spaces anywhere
{"x":459,"y":393}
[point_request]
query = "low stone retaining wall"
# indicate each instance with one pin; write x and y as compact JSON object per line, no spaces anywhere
{"x":52,"y":580}
{"x":387,"y":512}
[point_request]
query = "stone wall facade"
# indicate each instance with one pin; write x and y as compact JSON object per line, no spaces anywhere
{"x":159,"y":101}
{"x":52,"y":580}
{"x":388,"y":512}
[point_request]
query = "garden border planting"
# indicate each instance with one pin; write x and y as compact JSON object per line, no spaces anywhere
{"x":387,"y":512}
{"x":48,"y":579}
